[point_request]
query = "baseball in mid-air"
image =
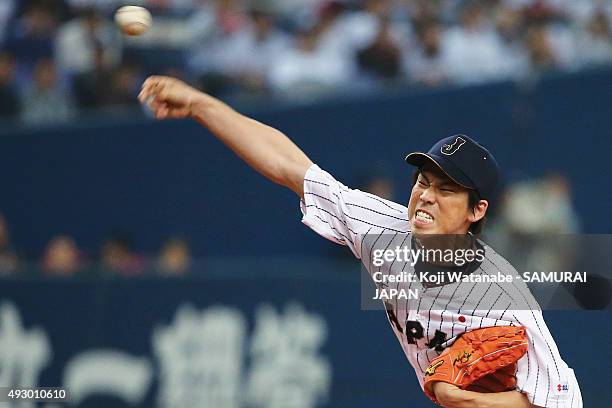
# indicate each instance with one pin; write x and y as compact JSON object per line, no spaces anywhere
{"x":133,"y":20}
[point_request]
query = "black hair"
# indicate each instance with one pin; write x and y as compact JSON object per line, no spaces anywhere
{"x":473,"y":200}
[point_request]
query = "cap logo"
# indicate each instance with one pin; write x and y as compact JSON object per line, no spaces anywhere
{"x":449,"y":149}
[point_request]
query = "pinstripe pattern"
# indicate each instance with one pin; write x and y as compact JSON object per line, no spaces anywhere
{"x":366,"y":223}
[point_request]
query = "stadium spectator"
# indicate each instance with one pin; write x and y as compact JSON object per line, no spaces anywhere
{"x":473,"y":51}
{"x":306,"y":70}
{"x":61,"y":257}
{"x":534,"y":215}
{"x":424,"y":10}
{"x":80,"y":40}
{"x":368,"y":39}
{"x":320,"y":60}
{"x":541,"y":206}
{"x":118,"y":258}
{"x":541,"y":55}
{"x":510,"y":24}
{"x":211,"y":29}
{"x":344,"y":32}
{"x":423,"y":63}
{"x":45,"y":101}
{"x":9,"y":260}
{"x":174,"y":258}
{"x":382,"y":58}
{"x":551,"y":20}
{"x":250,"y":52}
{"x":91,"y":88}
{"x":595,"y":43}
{"x":31,"y":37}
{"x":9,"y":100}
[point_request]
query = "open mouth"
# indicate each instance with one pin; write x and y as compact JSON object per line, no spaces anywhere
{"x":423,"y":217}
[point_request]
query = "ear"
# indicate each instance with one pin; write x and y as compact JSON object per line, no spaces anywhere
{"x":479,"y":211}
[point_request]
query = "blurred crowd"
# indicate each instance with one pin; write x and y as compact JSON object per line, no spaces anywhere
{"x":59,"y":58}
{"x":117,"y":257}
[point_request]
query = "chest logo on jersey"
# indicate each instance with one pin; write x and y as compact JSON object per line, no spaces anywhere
{"x":562,"y":388}
{"x":449,"y":149}
{"x":431,"y":370}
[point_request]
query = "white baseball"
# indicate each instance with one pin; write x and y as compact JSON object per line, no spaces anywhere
{"x":133,"y":20}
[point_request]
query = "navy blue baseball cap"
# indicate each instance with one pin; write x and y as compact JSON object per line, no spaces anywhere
{"x":465,"y":161}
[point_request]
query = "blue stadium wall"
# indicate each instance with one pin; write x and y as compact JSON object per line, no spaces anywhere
{"x":160,"y":179}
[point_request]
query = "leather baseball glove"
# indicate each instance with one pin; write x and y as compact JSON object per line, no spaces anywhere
{"x":482,"y":360}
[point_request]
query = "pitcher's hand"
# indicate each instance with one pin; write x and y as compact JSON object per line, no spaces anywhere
{"x":168,"y":98}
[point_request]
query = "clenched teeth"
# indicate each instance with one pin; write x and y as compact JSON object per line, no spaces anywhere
{"x":423,"y":217}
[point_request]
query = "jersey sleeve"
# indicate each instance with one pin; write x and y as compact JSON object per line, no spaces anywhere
{"x":344,"y":215}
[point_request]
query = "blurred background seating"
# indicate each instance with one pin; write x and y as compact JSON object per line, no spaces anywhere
{"x":261,"y":49}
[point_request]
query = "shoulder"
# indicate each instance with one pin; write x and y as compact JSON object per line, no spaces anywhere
{"x":370,"y":211}
{"x":348,"y":216}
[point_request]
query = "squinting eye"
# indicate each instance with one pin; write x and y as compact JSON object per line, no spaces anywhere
{"x":447,"y":190}
{"x":422,"y":183}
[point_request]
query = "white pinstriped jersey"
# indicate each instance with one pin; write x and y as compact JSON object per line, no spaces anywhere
{"x":425,"y":326}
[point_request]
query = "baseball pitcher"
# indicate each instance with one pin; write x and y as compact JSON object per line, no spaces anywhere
{"x":473,"y":341}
